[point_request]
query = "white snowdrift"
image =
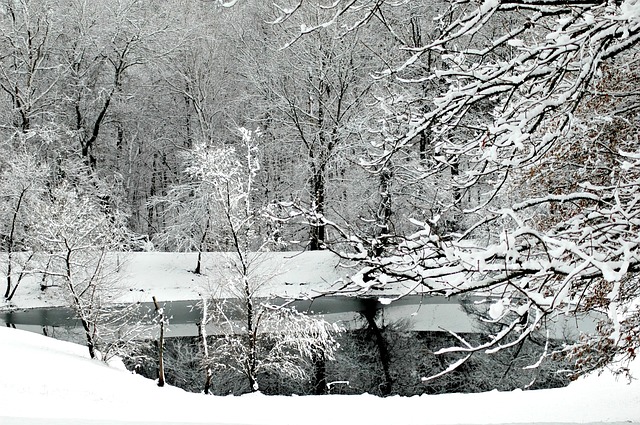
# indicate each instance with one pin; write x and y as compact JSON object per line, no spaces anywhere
{"x":55,"y":381}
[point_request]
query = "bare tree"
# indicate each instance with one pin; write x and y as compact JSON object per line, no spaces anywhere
{"x":22,"y":189}
{"x":76,"y":234}
{"x":255,"y":335}
{"x":516,"y":94}
{"x":28,"y":76}
{"x":309,"y":97}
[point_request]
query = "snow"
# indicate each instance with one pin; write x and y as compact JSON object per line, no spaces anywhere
{"x":630,"y":9}
{"x":53,"y":382}
{"x":43,"y":380}
{"x":496,"y":310}
{"x":169,"y":276}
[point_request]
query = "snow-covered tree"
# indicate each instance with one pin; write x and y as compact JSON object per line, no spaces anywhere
{"x":539,"y":118}
{"x":310,"y":98}
{"x":74,"y":234}
{"x":255,"y":335}
{"x":202,"y":214}
{"x":22,"y":188}
{"x":258,"y":336}
{"x":28,"y":75}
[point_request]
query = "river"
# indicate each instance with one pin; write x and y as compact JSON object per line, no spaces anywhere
{"x":419,"y":313}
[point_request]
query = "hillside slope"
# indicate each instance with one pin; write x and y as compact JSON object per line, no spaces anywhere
{"x":48,"y":381}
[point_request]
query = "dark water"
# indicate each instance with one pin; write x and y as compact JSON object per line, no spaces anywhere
{"x":189,"y":312}
{"x":420,"y":313}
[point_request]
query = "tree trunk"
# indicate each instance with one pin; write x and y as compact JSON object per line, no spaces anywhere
{"x":201,"y":246}
{"x":198,"y":269}
{"x":160,"y":313}
{"x":89,"y":335}
{"x":9,"y":293}
{"x":202,"y":334}
{"x":317,"y":230}
{"x":383,"y":216}
{"x":320,"y":366}
{"x":457,"y":197}
{"x":78,"y":305}
{"x":252,"y":362}
{"x":385,"y":358}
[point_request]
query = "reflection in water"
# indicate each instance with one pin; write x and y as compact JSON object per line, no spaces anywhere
{"x":422,"y":314}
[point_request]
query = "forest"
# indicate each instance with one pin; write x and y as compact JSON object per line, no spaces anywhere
{"x":462,"y":147}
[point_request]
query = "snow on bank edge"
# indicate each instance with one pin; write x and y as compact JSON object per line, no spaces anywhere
{"x":44,"y":378}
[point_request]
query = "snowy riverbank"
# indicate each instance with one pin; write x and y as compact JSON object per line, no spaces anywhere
{"x":169,"y":276}
{"x":48,"y":381}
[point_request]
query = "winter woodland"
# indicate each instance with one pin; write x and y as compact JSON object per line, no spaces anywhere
{"x":456,"y":147}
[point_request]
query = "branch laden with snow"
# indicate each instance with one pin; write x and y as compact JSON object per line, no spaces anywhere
{"x":535,"y":123}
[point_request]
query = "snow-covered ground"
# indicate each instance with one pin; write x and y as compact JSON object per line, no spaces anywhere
{"x":137,"y":276}
{"x":46,"y":381}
